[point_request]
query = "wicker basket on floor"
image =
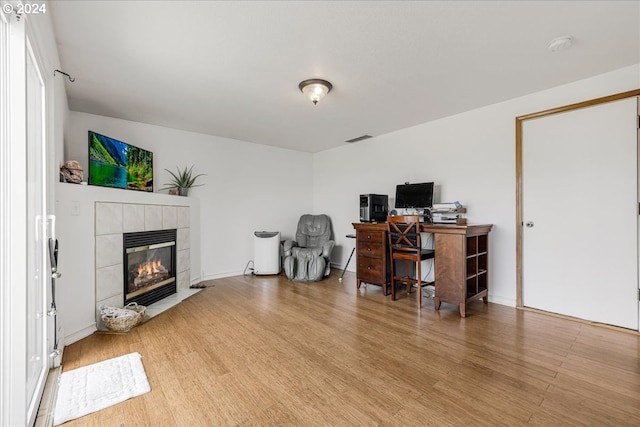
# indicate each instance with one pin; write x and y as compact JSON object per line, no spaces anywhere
{"x":122,"y":319}
{"x":140,"y":309}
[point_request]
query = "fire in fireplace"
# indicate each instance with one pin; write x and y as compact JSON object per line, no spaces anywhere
{"x":149,"y":266}
{"x":149,"y":273}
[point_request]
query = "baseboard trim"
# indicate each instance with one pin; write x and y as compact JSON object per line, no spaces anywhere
{"x":82,"y":333}
{"x":502,"y":301}
{"x":221,"y":275}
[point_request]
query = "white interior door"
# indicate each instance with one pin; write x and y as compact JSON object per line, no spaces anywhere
{"x":580,"y":211}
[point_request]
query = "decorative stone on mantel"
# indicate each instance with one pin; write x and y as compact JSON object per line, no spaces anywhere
{"x":112,"y":220}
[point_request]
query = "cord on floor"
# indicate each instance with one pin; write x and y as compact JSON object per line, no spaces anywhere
{"x":248,"y":268}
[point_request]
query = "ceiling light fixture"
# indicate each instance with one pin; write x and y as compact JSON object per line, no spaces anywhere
{"x":560,"y":43}
{"x":315,"y":89}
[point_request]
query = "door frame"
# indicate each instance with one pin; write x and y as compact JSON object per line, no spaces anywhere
{"x":519,"y":187}
{"x":13,"y":261}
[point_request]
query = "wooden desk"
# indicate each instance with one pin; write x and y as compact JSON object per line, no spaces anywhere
{"x":461,"y":260}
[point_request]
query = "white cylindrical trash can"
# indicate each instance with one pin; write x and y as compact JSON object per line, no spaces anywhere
{"x":266,"y":252}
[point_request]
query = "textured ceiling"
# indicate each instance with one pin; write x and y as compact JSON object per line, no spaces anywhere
{"x":232,"y":69}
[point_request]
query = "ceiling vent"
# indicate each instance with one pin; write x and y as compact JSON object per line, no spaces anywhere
{"x":359,"y":138}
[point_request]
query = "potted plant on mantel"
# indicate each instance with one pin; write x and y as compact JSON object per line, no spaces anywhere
{"x":183,"y":180}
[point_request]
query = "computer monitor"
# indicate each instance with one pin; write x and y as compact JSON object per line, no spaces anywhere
{"x":414,"y":195}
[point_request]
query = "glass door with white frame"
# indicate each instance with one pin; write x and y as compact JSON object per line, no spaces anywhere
{"x":37,"y":244}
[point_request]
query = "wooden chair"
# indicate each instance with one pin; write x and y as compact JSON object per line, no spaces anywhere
{"x":405,"y":245}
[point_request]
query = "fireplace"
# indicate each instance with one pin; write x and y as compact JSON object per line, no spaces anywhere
{"x":149,"y":266}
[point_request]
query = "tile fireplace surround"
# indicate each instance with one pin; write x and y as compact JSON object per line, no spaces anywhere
{"x":114,"y":219}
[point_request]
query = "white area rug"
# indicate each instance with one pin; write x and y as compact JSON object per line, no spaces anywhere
{"x":98,"y":386}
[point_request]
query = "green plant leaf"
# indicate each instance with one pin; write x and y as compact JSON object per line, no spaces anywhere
{"x":184,"y":178}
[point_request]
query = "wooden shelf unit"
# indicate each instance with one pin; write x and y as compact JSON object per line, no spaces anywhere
{"x":477,"y":253}
{"x":462,"y":267}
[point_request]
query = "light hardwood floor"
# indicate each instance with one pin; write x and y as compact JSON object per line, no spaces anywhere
{"x":263,"y":351}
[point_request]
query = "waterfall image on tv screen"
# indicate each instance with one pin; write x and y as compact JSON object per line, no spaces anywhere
{"x":114,"y":163}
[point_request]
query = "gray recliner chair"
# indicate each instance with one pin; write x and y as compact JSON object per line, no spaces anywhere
{"x":308,"y":257}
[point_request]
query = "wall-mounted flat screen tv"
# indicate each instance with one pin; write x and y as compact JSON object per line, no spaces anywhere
{"x":414,"y":195}
{"x":114,"y":163}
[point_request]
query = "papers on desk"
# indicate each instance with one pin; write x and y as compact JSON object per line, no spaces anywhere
{"x":438,"y":218}
{"x":448,"y":213}
{"x":446,"y":207}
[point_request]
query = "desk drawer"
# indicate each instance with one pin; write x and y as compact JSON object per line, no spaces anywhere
{"x":371,"y":236}
{"x":371,"y":249}
{"x":370,"y":270}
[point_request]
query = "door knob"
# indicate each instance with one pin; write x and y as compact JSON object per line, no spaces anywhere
{"x":529,"y":224}
{"x":56,"y":275}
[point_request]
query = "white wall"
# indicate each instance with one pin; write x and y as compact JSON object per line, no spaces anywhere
{"x":248,"y":187}
{"x":470,"y":157}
